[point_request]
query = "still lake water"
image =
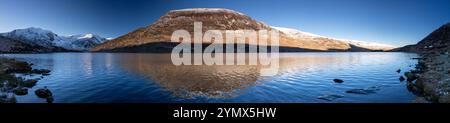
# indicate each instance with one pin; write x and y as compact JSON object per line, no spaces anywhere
{"x":152,"y":78}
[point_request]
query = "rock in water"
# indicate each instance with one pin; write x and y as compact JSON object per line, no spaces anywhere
{"x":338,"y":80}
{"x":413,"y":88}
{"x":330,"y":97}
{"x":40,"y":71}
{"x":402,"y":78}
{"x":361,"y":91}
{"x":43,"y":93}
{"x":410,"y":76}
{"x":21,"y":91}
{"x":398,"y":71}
{"x":29,"y":83}
{"x":49,"y":100}
{"x":18,"y":67}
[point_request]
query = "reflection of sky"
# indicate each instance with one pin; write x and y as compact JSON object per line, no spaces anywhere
{"x":108,"y":61}
{"x":331,"y":65}
{"x":87,"y":63}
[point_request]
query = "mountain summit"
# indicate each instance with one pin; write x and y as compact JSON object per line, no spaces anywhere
{"x":157,"y":35}
{"x":162,"y":29}
{"x":33,"y":36}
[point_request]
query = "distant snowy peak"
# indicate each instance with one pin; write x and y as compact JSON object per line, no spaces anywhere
{"x":32,"y":32}
{"x":86,"y":37}
{"x":36,"y":36}
{"x":294,"y":33}
{"x":368,"y":44}
{"x":46,"y":38}
{"x":80,"y":42}
{"x":297,"y":34}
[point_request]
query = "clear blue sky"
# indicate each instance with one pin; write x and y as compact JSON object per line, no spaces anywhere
{"x":395,"y":22}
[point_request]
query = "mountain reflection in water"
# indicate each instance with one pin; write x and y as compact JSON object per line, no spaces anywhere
{"x":209,"y":80}
{"x":140,"y":77}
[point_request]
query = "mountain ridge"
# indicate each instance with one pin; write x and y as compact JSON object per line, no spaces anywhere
{"x":294,"y":33}
{"x":48,"y":39}
{"x":15,"y":46}
{"x":215,"y":19}
{"x":439,"y":39}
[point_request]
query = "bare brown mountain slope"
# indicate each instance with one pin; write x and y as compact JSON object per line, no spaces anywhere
{"x":438,"y":40}
{"x":160,"y":32}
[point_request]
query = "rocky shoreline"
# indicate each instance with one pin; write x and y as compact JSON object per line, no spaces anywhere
{"x":12,"y":85}
{"x":432,"y":78}
{"x":432,"y":73}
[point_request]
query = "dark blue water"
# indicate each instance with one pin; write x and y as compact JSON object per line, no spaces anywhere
{"x":151,"y":78}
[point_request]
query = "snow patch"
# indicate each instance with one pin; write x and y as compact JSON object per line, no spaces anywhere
{"x":367,"y":44}
{"x":207,"y":10}
{"x":297,"y":34}
{"x":294,"y":33}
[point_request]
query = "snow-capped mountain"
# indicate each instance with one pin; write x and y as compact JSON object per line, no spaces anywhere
{"x":156,"y":37}
{"x":369,"y":45}
{"x":80,"y":42}
{"x":293,"y":33}
{"x":33,"y":36}
{"x":297,"y":34}
{"x":48,"y":39}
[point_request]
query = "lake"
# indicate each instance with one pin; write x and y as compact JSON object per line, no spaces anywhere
{"x":152,"y":78}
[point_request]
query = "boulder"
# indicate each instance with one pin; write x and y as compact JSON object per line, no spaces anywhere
{"x":40,"y":71}
{"x":413,"y":88}
{"x":330,"y":97}
{"x":360,"y":91}
{"x":10,"y":80}
{"x":43,"y":93}
{"x":401,"y":78}
{"x":20,"y":91}
{"x":410,"y":76}
{"x":338,"y":80}
{"x":18,"y":67}
{"x":29,"y":83}
{"x":49,"y":100}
